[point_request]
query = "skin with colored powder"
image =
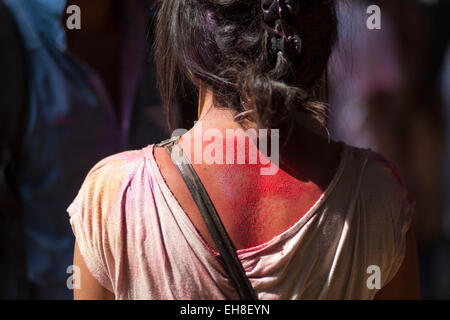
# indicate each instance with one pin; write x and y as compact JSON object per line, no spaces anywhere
{"x":254,"y":208}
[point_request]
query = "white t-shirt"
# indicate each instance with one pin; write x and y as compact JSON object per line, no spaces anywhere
{"x":139,"y":243}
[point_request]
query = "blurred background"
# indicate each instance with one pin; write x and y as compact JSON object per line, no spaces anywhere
{"x":389,"y":91}
{"x":75,"y":91}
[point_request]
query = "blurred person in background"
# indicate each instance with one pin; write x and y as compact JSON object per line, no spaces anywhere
{"x":13,"y":86}
{"x":68,"y":98}
{"x":443,"y":255}
{"x":445,"y":88}
{"x":385,"y":93}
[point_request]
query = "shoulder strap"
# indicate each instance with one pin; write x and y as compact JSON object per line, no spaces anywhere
{"x":211,"y":218}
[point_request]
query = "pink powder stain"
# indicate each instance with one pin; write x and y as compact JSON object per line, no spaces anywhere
{"x":395,"y":172}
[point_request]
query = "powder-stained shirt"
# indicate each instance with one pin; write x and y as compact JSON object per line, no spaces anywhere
{"x":138,"y":242}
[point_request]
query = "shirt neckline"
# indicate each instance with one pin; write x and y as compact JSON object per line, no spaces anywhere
{"x":251,"y":251}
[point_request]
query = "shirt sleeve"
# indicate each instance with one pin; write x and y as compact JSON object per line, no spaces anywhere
{"x":402,"y":219}
{"x":97,"y":216}
{"x":393,"y":209}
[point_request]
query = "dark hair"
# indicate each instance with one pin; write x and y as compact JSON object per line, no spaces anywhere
{"x":225,"y":45}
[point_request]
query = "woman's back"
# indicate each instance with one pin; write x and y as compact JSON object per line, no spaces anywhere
{"x":139,"y":242}
{"x":311,"y":225}
{"x":253,"y":207}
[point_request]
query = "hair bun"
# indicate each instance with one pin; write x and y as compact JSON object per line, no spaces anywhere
{"x":278,"y":9}
{"x":275,"y":14}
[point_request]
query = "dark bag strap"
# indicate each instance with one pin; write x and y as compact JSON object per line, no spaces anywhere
{"x":212,"y":220}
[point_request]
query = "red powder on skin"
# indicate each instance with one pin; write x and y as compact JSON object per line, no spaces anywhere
{"x":256,"y":207}
{"x":265,"y":199}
